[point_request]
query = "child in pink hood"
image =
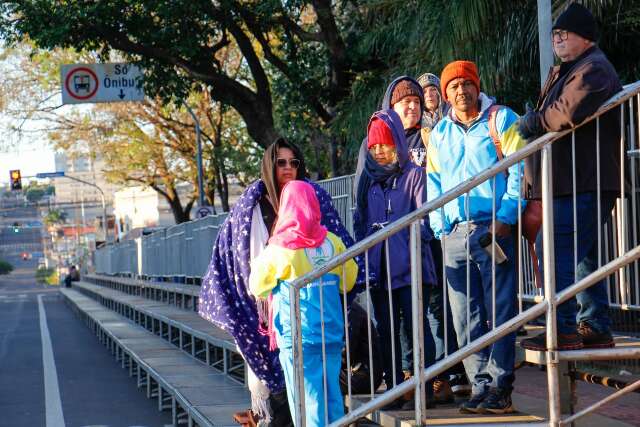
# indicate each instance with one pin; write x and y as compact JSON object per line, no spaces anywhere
{"x":299,"y":244}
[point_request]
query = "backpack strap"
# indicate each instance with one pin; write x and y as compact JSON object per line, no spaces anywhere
{"x":493,"y":132}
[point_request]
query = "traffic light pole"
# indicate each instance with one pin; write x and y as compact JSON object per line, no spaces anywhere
{"x":104,"y":206}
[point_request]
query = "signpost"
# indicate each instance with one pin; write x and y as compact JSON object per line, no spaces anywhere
{"x":89,"y":83}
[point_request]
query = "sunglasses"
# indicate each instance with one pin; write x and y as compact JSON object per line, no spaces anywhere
{"x":282,"y":163}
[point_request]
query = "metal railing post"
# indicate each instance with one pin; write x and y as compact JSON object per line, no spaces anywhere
{"x":418,"y":321}
{"x":299,"y":417}
{"x":553,"y":372}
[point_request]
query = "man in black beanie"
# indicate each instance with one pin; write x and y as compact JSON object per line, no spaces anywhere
{"x":575,"y":90}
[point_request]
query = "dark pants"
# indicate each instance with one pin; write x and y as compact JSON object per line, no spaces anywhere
{"x":279,"y":409}
{"x":435,"y":316}
{"x":402,"y":310}
{"x":592,"y":305}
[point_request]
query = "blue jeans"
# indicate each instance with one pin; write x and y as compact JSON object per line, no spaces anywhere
{"x":492,"y":366}
{"x":402,"y":310}
{"x":592,"y":305}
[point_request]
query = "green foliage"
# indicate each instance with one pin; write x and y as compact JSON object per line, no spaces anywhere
{"x":500,"y":36}
{"x":34,"y":194}
{"x":55,"y":216}
{"x":313,"y":71}
{"x":5,"y":267}
{"x":47,"y":275}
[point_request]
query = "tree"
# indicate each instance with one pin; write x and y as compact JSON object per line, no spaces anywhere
{"x":34,"y":194}
{"x":501,"y":36}
{"x":5,"y":267}
{"x":164,"y":156}
{"x":54,"y":217}
{"x":312,"y":70}
{"x":154,"y":145}
{"x":179,"y":49}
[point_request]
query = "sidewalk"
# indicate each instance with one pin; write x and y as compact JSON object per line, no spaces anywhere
{"x":530,"y":396}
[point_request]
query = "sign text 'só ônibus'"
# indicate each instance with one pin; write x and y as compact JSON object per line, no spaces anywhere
{"x":89,"y":83}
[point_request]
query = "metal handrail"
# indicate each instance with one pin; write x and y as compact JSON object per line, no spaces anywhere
{"x":548,"y":306}
{"x":489,"y":338}
{"x":508,"y":161}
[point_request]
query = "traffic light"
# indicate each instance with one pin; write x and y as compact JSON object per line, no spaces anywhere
{"x":16,"y":180}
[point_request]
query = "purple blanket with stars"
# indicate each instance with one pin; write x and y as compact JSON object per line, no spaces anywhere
{"x":224,"y":299}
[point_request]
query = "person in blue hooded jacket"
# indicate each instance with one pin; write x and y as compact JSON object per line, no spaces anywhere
{"x":389,"y":187}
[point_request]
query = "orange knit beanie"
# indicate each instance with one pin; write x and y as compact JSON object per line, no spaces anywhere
{"x":457,"y":69}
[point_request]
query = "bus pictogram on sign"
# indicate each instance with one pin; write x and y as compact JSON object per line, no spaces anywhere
{"x":81,"y":83}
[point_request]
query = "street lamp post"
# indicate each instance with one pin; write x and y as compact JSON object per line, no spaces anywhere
{"x":201,"y":200}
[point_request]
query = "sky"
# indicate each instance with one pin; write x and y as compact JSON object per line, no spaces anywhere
{"x":30,"y":159}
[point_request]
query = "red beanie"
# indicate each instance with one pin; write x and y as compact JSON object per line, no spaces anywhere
{"x":379,"y":133}
{"x":457,"y":69}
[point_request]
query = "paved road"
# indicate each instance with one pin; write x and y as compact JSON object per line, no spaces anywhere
{"x":53,"y":370}
{"x":24,"y":238}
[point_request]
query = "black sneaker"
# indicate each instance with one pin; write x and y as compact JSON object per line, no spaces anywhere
{"x":471,"y":406}
{"x":565,"y":342}
{"x":498,"y":401}
{"x":594,"y":339}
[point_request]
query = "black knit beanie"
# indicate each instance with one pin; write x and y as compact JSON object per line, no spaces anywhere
{"x":578,"y":19}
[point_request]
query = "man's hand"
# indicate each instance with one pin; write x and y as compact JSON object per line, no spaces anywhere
{"x":501,"y":229}
{"x":529,"y":125}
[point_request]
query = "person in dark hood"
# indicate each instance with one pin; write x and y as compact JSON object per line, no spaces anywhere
{"x":404,"y":95}
{"x":435,"y":106}
{"x":390,"y":187}
{"x":225,"y":298}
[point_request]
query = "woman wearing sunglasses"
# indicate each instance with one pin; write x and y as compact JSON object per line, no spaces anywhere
{"x":225,"y":299}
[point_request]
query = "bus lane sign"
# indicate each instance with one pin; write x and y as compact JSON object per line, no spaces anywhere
{"x":90,"y":83}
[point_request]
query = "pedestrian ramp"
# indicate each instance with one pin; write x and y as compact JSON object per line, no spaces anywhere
{"x":194,"y":392}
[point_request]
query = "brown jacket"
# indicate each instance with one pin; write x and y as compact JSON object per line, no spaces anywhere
{"x":567,"y":99}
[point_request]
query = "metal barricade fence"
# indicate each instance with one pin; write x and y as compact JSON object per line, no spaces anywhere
{"x":468,"y":275}
{"x":341,"y":191}
{"x":183,"y":251}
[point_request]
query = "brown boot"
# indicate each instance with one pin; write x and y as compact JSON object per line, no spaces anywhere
{"x":442,"y":392}
{"x":245,"y":418}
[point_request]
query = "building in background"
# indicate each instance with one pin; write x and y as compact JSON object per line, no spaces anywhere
{"x":142,"y":207}
{"x":87,"y":169}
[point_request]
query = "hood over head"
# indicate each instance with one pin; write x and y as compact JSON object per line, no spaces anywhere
{"x":298,"y":225}
{"x":386,"y":100}
{"x":393,"y":122}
